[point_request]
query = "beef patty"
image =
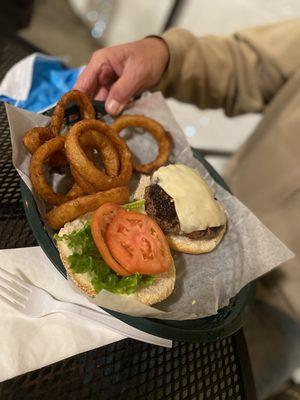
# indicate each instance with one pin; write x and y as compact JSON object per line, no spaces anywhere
{"x":160,"y":206}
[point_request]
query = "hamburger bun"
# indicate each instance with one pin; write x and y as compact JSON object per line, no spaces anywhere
{"x":159,"y":291}
{"x":193,"y":246}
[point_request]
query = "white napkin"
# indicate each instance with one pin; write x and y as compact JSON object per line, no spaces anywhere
{"x":17,"y":81}
{"x":28,"y":343}
{"x":37,"y":82}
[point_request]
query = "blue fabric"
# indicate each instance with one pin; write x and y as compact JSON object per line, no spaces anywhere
{"x":51,"y":79}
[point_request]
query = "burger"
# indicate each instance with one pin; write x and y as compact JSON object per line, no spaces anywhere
{"x":126,"y":249}
{"x":120,"y":250}
{"x":184,"y":206}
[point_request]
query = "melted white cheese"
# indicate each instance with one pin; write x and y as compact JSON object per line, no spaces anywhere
{"x":194,"y":201}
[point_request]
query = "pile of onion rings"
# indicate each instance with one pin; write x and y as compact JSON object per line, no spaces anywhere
{"x":78,"y":153}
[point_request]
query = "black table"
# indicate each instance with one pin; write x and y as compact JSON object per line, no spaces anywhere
{"x":127,"y":369}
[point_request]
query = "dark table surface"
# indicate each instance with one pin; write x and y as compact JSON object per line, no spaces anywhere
{"x":127,"y":369}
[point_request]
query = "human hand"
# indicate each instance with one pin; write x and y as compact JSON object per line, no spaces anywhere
{"x":116,"y":74}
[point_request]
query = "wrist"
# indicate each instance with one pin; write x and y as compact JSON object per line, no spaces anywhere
{"x":161,"y":48}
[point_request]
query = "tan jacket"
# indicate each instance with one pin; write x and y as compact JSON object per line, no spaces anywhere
{"x":257,"y":70}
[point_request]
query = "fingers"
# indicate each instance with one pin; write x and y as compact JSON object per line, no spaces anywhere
{"x":96,"y":70}
{"x":102,"y":94}
{"x":122,"y":91}
{"x":106,"y":76}
{"x":112,"y":76}
{"x":87,"y":80}
{"x":105,"y":79}
{"x":96,"y":78}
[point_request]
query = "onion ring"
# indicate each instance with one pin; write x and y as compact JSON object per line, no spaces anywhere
{"x":84,"y":104}
{"x":75,"y":191}
{"x":38,"y":159}
{"x":107,"y":153}
{"x":82,"y":183}
{"x":156,"y":130}
{"x":35,"y":137}
{"x":73,"y":209}
{"x":79,"y":161}
{"x":105,"y":149}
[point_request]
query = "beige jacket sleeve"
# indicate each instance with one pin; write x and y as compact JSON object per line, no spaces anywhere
{"x":240,"y":73}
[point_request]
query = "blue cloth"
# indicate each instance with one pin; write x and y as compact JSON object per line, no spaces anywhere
{"x":50,"y":80}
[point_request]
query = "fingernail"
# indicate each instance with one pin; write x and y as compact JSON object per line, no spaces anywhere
{"x":113,"y":107}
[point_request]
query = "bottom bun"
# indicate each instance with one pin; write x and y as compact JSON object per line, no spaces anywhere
{"x":191,"y":246}
{"x":159,"y":291}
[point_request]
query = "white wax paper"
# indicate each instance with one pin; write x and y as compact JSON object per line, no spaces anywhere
{"x":204,"y":283}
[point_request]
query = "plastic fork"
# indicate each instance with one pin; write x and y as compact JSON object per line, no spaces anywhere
{"x":36,"y":302}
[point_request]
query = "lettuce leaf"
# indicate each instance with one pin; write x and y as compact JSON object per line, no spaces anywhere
{"x":134,"y":205}
{"x":86,"y":258}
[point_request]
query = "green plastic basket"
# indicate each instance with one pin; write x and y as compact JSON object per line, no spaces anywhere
{"x":228,"y":319}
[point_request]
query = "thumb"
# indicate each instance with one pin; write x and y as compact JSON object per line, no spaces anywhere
{"x":122,"y":91}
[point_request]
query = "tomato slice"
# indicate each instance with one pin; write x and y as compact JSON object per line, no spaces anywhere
{"x":137,"y":243}
{"x":101,"y":218}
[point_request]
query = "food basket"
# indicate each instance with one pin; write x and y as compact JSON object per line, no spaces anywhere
{"x":228,"y":319}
